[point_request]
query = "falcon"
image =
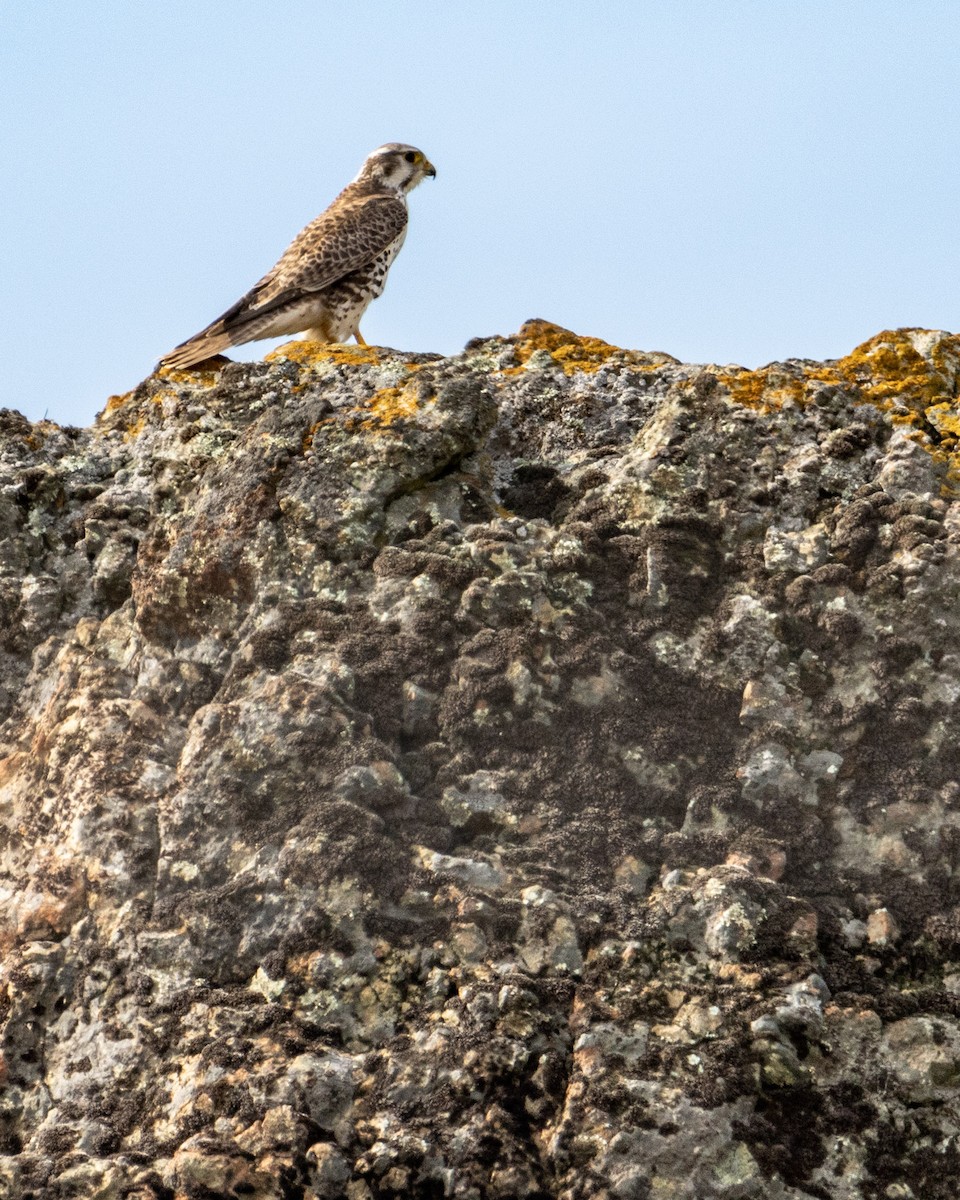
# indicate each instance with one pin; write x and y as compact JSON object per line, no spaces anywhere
{"x":331,"y":271}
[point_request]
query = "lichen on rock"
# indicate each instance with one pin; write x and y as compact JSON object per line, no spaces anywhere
{"x":526,"y":773}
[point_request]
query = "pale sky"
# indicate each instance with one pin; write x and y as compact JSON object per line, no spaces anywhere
{"x":724,"y":180}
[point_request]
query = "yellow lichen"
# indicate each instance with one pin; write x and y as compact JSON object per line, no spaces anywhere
{"x":945,"y":418}
{"x":133,"y":422}
{"x":571,"y":352}
{"x":911,"y":368}
{"x":765,"y":389}
{"x":311,"y":353}
{"x":208,"y":374}
{"x":306,"y":442}
{"x":115,"y":402}
{"x":388,"y":405}
{"x":135,"y":429}
{"x":912,"y":374}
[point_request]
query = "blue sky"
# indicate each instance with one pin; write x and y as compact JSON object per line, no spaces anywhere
{"x":725,"y":180}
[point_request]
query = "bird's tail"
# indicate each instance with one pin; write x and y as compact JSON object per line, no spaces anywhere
{"x":238,"y":324}
{"x":203,"y":345}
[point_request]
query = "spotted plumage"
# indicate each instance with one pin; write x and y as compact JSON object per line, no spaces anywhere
{"x":331,"y":271}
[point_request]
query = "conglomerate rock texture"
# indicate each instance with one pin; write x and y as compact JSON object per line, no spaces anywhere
{"x":532,"y":773}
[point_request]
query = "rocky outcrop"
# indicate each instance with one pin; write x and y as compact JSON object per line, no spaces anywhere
{"x":532,"y":773}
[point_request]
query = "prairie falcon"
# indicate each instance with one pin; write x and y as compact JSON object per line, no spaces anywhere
{"x":331,"y":271}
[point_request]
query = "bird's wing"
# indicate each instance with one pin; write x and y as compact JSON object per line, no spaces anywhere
{"x":344,"y":238}
{"x":350,"y":234}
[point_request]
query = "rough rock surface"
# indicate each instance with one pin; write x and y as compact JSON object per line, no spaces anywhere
{"x":526,"y":774}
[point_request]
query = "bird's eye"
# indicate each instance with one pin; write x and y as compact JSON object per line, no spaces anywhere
{"x":410,"y":156}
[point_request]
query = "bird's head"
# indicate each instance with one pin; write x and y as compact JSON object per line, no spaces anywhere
{"x":396,"y":167}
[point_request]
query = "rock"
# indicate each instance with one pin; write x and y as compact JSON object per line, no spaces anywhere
{"x":329,"y":1170}
{"x":526,"y":773}
{"x":924,"y":1055}
{"x":480,"y":801}
{"x":882,"y":929}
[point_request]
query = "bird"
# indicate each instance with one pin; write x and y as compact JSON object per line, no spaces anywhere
{"x":331,"y":271}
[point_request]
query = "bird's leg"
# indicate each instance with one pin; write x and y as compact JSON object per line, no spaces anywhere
{"x":359,"y":336}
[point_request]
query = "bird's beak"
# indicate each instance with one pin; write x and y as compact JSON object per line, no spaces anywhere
{"x":429,"y":169}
